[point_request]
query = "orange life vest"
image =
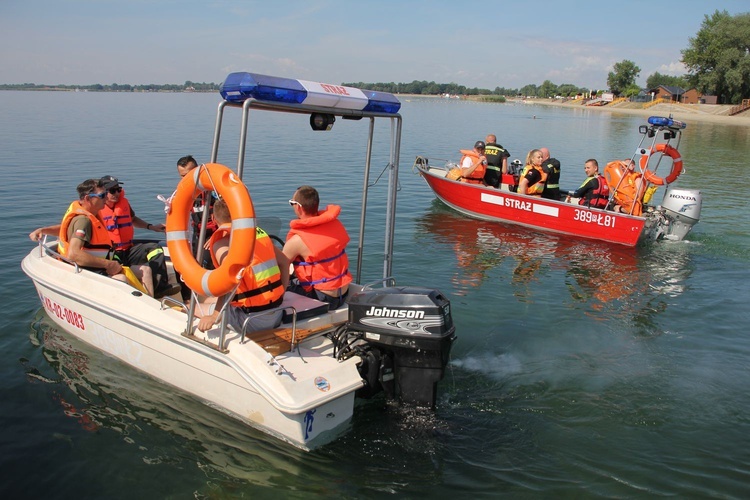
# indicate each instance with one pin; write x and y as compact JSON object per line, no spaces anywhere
{"x":626,"y":190}
{"x":260,"y":287}
{"x":537,"y":188}
{"x":477,"y":176}
{"x":99,"y":245}
{"x":119,"y":222}
{"x":327,"y":266}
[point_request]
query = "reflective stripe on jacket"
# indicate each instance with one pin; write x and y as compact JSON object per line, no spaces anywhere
{"x":261,"y":287}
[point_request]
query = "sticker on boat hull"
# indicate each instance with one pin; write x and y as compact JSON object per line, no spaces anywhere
{"x":322,"y":384}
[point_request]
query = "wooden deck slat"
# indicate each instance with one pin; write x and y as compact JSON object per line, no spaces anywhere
{"x":278,"y":340}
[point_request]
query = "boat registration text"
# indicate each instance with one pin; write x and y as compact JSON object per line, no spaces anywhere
{"x":62,"y":312}
{"x":594,"y":218}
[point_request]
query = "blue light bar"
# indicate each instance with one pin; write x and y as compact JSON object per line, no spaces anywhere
{"x":241,"y":86}
{"x":660,"y":121}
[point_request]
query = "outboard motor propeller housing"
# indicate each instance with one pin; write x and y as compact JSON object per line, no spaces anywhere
{"x":408,"y":333}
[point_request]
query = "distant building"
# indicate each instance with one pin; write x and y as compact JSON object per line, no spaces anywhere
{"x":668,"y":93}
{"x":691,"y":96}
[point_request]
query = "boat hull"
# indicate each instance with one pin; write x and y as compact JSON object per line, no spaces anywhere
{"x":305,"y":398}
{"x":502,"y":205}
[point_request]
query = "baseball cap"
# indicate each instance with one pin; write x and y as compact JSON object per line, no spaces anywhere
{"x":479,"y":145}
{"x":108,"y":182}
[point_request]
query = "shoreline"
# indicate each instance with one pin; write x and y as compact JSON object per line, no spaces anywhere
{"x":704,"y":113}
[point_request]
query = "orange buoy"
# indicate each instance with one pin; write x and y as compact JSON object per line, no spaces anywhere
{"x":667,"y":150}
{"x":210,"y":177}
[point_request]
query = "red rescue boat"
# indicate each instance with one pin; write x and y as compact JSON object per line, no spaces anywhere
{"x":672,"y":219}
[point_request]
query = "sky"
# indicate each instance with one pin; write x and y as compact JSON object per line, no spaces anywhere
{"x":477,"y":44}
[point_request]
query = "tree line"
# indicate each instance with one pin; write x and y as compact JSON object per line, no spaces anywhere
{"x":188,"y":86}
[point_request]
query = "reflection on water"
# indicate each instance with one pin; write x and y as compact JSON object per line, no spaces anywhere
{"x":100,"y":393}
{"x":220,"y":456}
{"x":594,"y":271}
{"x":553,"y":274}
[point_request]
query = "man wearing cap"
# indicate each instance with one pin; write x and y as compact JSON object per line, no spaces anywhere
{"x":497,"y":161}
{"x":120,"y":219}
{"x":473,"y":164}
{"x":551,"y":166}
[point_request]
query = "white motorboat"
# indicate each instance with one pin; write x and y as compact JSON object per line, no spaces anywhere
{"x":297,"y":382}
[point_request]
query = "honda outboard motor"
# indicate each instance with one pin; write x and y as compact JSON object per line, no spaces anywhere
{"x":682,"y":210}
{"x":403,"y":336}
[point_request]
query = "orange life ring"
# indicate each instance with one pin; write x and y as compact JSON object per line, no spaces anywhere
{"x":224,"y":279}
{"x":668,"y":150}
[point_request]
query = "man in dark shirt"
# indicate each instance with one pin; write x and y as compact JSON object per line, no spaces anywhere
{"x":552,"y":168}
{"x":497,"y":161}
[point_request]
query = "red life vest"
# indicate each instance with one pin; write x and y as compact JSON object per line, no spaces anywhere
{"x":260,"y":287}
{"x":99,"y":245}
{"x":119,"y":222}
{"x":327,"y":266}
{"x":599,"y":197}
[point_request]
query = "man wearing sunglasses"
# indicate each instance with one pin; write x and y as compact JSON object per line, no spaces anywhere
{"x":316,"y":245}
{"x":120,"y":220}
{"x":83,"y":238}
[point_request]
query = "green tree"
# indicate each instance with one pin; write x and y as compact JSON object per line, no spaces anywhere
{"x":623,"y":76}
{"x":718,"y":58}
{"x":547,"y":89}
{"x":657,"y":79}
{"x":632,"y":91}
{"x":529,"y":90}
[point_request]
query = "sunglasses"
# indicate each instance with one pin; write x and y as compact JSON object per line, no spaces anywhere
{"x":292,"y":203}
{"x":115,"y":190}
{"x":101,"y":195}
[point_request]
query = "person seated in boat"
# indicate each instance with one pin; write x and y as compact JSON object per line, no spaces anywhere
{"x":120,"y":220}
{"x":551,"y":167}
{"x":627,"y":186}
{"x":83,"y":237}
{"x":533,"y":177}
{"x":497,"y":161}
{"x":473,"y":164}
{"x":316,"y":245}
{"x":594,"y":192}
{"x":185,"y":165}
{"x":261,"y":290}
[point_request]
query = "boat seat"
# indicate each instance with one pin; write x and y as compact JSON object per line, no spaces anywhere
{"x":305,"y":307}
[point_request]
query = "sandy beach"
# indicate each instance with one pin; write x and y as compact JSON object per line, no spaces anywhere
{"x":709,"y":113}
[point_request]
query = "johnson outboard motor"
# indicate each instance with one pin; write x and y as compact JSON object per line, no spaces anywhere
{"x":680,"y":211}
{"x":403,"y":335}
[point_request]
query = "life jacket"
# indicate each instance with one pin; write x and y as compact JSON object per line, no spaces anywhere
{"x":477,"y":176}
{"x":537,"y":188}
{"x":327,"y":266}
{"x":626,"y":190}
{"x":599,"y":197}
{"x":99,"y":245}
{"x":119,"y":222}
{"x":260,"y":287}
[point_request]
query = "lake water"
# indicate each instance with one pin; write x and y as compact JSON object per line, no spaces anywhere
{"x":581,"y":369}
